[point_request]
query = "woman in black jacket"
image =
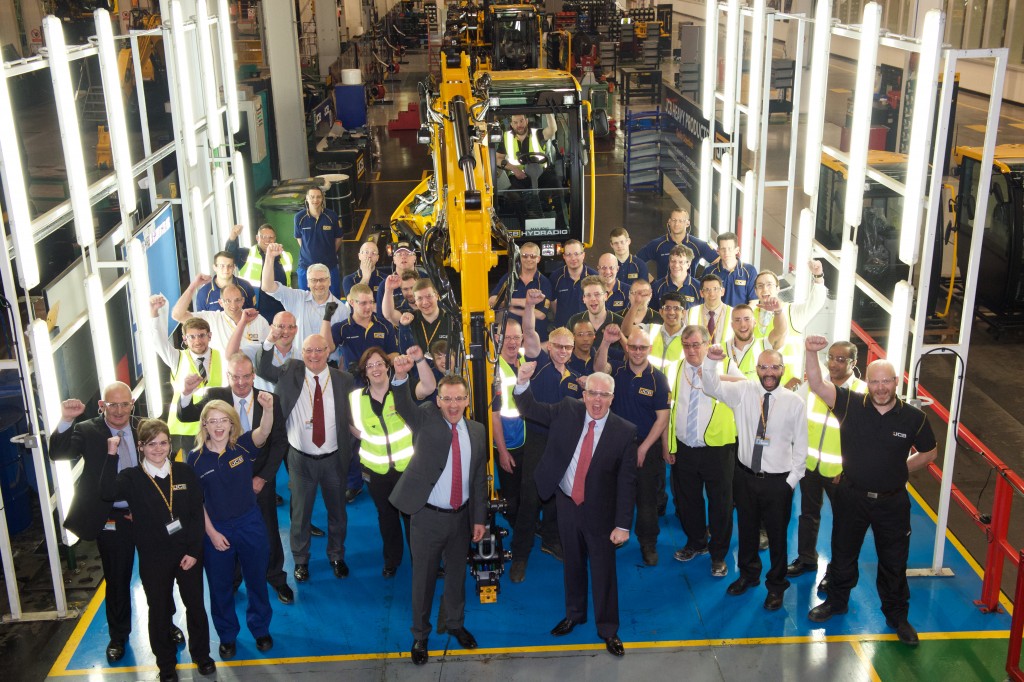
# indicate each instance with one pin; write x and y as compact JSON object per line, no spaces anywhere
{"x":166,"y":500}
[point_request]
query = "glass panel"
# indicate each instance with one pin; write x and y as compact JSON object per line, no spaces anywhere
{"x":1016,"y":34}
{"x":997,"y":23}
{"x":975,"y":23}
{"x":955,"y":23}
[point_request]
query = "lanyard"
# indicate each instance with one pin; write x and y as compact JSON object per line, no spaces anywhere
{"x":168,"y":502}
{"x":423,"y":326}
{"x":763,"y":418}
{"x":323,"y":389}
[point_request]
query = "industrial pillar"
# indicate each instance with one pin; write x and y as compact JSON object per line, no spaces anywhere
{"x":281,"y":32}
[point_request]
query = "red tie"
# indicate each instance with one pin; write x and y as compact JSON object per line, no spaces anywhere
{"x":583,"y":465}
{"x":319,"y":432}
{"x":711,"y":325}
{"x":456,"y":500}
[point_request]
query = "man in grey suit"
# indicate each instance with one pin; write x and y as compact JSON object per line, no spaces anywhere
{"x":444,"y":491}
{"x":314,"y":401}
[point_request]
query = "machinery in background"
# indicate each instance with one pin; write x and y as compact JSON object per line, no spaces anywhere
{"x":496,"y":36}
{"x":462,"y":221}
{"x":999,"y":300}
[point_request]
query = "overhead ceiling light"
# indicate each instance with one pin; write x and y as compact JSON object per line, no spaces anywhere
{"x":710,"y":65}
{"x":214,"y":128}
{"x":818,"y":93}
{"x":199,"y":231}
{"x":227,"y":64}
{"x":223,"y":201}
{"x":863,"y":101}
{"x":755,"y":84}
{"x":896,"y":351}
{"x":103,"y":352}
{"x":732,"y":40}
{"x":15,"y":192}
{"x":138,"y":269}
{"x":119,"y":141}
{"x":241,"y":196}
{"x":184,"y":79}
{"x":804,"y":240}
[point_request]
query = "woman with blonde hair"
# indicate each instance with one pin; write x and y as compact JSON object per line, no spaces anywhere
{"x":223,"y":460}
{"x":166,"y":500}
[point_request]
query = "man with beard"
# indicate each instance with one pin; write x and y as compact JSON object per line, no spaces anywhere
{"x":772,"y":429}
{"x":876,"y":431}
{"x":742,"y":350}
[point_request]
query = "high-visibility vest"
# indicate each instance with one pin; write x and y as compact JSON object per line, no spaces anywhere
{"x":747,"y":364}
{"x":723,"y":321}
{"x":252,"y":269}
{"x":512,"y":425}
{"x":665,"y":358}
{"x":793,"y":350}
{"x":386,"y":441}
{"x":721,"y":428}
{"x":824,"y":449}
{"x":512,"y":143}
{"x":214,"y":378}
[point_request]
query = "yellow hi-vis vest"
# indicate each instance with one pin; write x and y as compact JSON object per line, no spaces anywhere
{"x":824,"y":449}
{"x":386,"y":441}
{"x":512,"y":146}
{"x":793,"y":350}
{"x":512,"y":425}
{"x":723,"y":321}
{"x":721,"y":428}
{"x":214,"y":378}
{"x":665,"y":358}
{"x":252,"y":270}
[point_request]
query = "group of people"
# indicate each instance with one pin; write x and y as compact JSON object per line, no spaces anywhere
{"x":669,"y":383}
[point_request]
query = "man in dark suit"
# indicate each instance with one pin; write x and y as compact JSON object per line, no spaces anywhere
{"x":245,"y":400}
{"x":444,"y":491}
{"x":589,"y":466}
{"x":92,"y":518}
{"x":314,"y":401}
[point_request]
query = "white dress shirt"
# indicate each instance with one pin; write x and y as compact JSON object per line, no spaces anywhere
{"x":299,"y":422}
{"x":570,"y":472}
{"x":155,"y":471}
{"x":685,"y":383}
{"x":308,"y":313}
{"x":786,"y":426}
{"x":441,"y":495}
{"x":222,"y":327}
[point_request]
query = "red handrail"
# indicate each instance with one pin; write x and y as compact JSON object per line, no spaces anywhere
{"x":1016,"y":629}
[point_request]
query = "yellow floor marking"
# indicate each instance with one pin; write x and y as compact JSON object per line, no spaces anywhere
{"x":362,"y":225}
{"x":1003,"y":599}
{"x":1017,"y":125}
{"x":61,"y":664}
{"x":607,"y":175}
{"x":862,"y":655}
{"x":978,"y":128}
{"x":398,"y":182}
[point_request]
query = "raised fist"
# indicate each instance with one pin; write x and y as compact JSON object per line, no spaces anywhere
{"x":415,"y":353}
{"x":402,"y":365}
{"x":612,"y":333}
{"x":156,"y":302}
{"x":266,"y":400}
{"x":815,"y":343}
{"x":236,"y":231}
{"x":113,"y":443}
{"x":771,"y":304}
{"x":525,"y":372}
{"x":534,"y":297}
{"x":71,"y":409}
{"x":329,"y":310}
{"x":815,"y":266}
{"x":716,"y":353}
{"x":274,"y":250}
{"x":392,"y":282}
{"x":406,"y":319}
{"x":200,"y":280}
{"x":249,"y":314}
{"x":190,"y":384}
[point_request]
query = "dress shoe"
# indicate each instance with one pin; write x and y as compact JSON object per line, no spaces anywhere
{"x":284,"y":593}
{"x":265,"y":643}
{"x":177,"y":636}
{"x":762,"y":542}
{"x":825,"y":582}
{"x":419,"y":651}
{"x":206,"y":666}
{"x":799,"y":568}
{"x":824,"y":611}
{"x":741,"y":585}
{"x":316,"y":531}
{"x":171,"y":676}
{"x":904,"y":630}
{"x":564,"y":627}
{"x":278,"y":500}
{"x":340,"y":568}
{"x":351,"y":494}
{"x":518,"y":571}
{"x":688,"y":553}
{"x":389,"y":572}
{"x":773,"y":602}
{"x":553,"y":550}
{"x":115,"y":650}
{"x":465,"y":637}
{"x":649,"y":554}
{"x":301,"y":572}
{"x":614,"y":646}
{"x":719,"y":569}
{"x":227,"y":650}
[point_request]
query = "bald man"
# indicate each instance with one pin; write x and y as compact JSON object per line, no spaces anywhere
{"x":877,"y":432}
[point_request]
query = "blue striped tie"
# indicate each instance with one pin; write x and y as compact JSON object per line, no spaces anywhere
{"x":691,"y":412}
{"x":243,"y":416}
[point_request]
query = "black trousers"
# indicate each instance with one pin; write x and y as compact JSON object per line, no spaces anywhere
{"x":266,"y":500}
{"x":698,"y":471}
{"x":158,"y":575}
{"x":530,"y":503}
{"x":580,"y":547}
{"x":434,"y":535}
{"x":813,"y":489}
{"x":117,"y":555}
{"x":511,"y":484}
{"x":888,"y":517}
{"x":647,"y":497}
{"x":389,"y":519}
{"x":764,"y":500}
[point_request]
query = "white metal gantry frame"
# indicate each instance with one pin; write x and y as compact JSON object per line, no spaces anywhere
{"x":205,"y":154}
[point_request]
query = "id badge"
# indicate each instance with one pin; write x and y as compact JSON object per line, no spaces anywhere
{"x":110,"y":525}
{"x":763,"y":442}
{"x":308,"y":425}
{"x":173,"y":527}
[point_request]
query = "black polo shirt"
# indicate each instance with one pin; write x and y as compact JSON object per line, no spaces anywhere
{"x":875,"y":445}
{"x":427,"y":333}
{"x":639,"y":396}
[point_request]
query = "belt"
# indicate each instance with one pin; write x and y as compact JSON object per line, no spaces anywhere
{"x":446,"y":511}
{"x":324,"y":455}
{"x":873,"y":495}
{"x":759,"y":474}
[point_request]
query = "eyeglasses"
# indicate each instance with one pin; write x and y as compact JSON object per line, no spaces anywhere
{"x":671,"y":308}
{"x":314,"y":349}
{"x":679,"y":220}
{"x":888,"y":381}
{"x":633,"y":346}
{"x":764,"y":286}
{"x":158,"y":443}
{"x":773,"y":368}
{"x":317,"y":280}
{"x":513,"y":338}
{"x":453,"y":398}
{"x":286,"y":326}
{"x":240,"y":377}
{"x":196,"y":337}
{"x":693,"y":346}
{"x":560,"y":346}
{"x":839,"y":358}
{"x":529,"y":255}
{"x":218,"y":422}
{"x":598,"y":394}
{"x":233,"y":301}
{"x":366,"y":302}
{"x":585,"y":334}
{"x":119,"y":406}
{"x":709,"y":290}
{"x":574,"y":255}
{"x":375,"y":365}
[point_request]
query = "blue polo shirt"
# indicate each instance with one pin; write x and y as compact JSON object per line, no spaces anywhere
{"x":550,"y":387}
{"x":227,"y":478}
{"x":658,"y":250}
{"x":584,"y":369}
{"x":637,"y":396}
{"x":401,"y":305}
{"x":615,"y":352}
{"x":690,"y":291}
{"x":568,"y":294}
{"x":208,"y":296}
{"x":350,"y":280}
{"x":631,"y":270}
{"x":618,"y":299}
{"x":352,"y":339}
{"x":519,"y":289}
{"x":318,"y":235}
{"x":739,"y":284}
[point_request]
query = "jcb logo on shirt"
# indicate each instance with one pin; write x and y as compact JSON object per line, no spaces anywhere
{"x":378,"y":335}
{"x":740,"y":282}
{"x":327,"y":227}
{"x":897,"y":434}
{"x":179,"y":486}
{"x":572,"y":386}
{"x":236,"y":461}
{"x":688,"y":299}
{"x":646,"y":391}
{"x":633,"y":275}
